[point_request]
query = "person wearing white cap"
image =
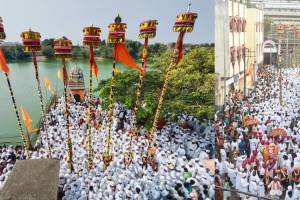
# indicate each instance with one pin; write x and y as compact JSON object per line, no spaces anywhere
{"x":289,"y":193}
{"x":244,"y":184}
{"x":253,"y":187}
{"x":296,"y":192}
{"x":275,"y":187}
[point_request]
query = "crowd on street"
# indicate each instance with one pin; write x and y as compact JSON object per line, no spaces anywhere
{"x":257,"y":143}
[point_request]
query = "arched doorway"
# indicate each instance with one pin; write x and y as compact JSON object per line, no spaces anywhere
{"x":77,"y":97}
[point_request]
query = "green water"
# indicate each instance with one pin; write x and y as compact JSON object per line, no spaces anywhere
{"x":25,"y":90}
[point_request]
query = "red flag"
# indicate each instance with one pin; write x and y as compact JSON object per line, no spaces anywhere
{"x":93,"y":64}
{"x":180,"y":46}
{"x":3,"y":64}
{"x":122,"y":55}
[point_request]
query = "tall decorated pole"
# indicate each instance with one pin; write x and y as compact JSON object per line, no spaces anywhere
{"x":63,"y":50}
{"x":32,"y":43}
{"x":91,"y":39}
{"x":116,"y":35}
{"x":117,"y":38}
{"x":184,"y":23}
{"x":5,"y":69}
{"x":147,"y":30}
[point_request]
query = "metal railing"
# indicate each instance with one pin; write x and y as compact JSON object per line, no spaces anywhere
{"x":50,"y":103}
{"x":234,"y":194}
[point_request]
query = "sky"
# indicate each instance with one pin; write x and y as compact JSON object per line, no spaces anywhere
{"x":57,"y":18}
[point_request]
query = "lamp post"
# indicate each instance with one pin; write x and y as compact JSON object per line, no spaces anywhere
{"x":245,"y":50}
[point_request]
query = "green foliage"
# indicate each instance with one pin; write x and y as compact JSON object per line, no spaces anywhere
{"x":47,"y":51}
{"x":15,"y":52}
{"x":48,"y":48}
{"x":191,"y":88}
{"x":105,"y":50}
{"x":80,"y":52}
{"x":134,"y":48}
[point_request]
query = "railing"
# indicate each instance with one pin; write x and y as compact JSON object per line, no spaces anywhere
{"x":50,"y":103}
{"x":234,"y":194}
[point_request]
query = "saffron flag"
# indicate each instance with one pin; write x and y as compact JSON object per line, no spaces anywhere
{"x":27,"y":120}
{"x":60,"y":74}
{"x":93,"y":64}
{"x":180,"y":46}
{"x":3,"y":64}
{"x":122,"y":55}
{"x":48,"y":85}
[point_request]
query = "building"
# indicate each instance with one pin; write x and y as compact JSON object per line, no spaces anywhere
{"x":76,"y":83}
{"x":235,"y":52}
{"x":254,"y":44}
{"x":280,"y":11}
{"x":284,"y":12}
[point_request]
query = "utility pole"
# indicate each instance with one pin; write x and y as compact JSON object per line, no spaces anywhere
{"x":287,"y":48}
{"x":280,"y":75}
{"x":270,"y":50}
{"x":244,"y":54}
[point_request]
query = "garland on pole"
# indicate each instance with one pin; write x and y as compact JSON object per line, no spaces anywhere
{"x":31,"y":43}
{"x":63,"y":50}
{"x":147,"y":30}
{"x":184,"y":23}
{"x":5,"y":69}
{"x":117,"y":38}
{"x":91,"y":39}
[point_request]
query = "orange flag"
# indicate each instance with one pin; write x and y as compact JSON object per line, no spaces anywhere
{"x":95,"y":69}
{"x":27,"y":120}
{"x":48,"y":85}
{"x":3,"y":64}
{"x":60,"y":74}
{"x":93,"y":64}
{"x":180,"y":46}
{"x":122,"y":55}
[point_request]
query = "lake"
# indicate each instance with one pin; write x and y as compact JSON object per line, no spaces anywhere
{"x":25,"y":90}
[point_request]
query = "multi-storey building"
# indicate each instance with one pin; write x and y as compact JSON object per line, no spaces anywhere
{"x":254,"y":43}
{"x":233,"y":47}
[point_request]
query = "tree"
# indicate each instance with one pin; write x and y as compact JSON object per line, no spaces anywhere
{"x":48,"y":47}
{"x":134,"y":48}
{"x":191,"y":88}
{"x":48,"y":51}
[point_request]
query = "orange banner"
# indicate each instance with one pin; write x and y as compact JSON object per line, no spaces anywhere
{"x":3,"y":64}
{"x":122,"y":55}
{"x":48,"y":85}
{"x":27,"y":120}
{"x":93,"y":64}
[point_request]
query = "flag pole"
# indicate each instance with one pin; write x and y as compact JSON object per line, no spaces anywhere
{"x":116,"y":36}
{"x":31,"y":43}
{"x":63,"y":50}
{"x":147,"y":30}
{"x":189,"y":19}
{"x":69,"y":140}
{"x":91,"y":39}
{"x":90,"y":147}
{"x":25,"y":138}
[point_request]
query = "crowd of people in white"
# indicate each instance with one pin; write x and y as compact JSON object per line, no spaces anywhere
{"x":254,"y":158}
{"x":180,"y":173}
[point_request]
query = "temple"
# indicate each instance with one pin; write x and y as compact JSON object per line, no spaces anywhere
{"x":76,"y":84}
